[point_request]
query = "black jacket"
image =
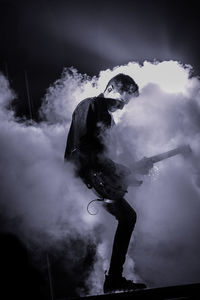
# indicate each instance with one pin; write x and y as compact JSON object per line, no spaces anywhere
{"x":85,"y":146}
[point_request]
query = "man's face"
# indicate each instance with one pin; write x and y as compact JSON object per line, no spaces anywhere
{"x":121,"y":99}
{"x":127,"y":96}
{"x":115,"y":104}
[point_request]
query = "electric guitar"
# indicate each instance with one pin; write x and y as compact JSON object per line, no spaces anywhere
{"x":114,"y":185}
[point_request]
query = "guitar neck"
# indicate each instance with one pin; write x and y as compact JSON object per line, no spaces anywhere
{"x":162,"y":156}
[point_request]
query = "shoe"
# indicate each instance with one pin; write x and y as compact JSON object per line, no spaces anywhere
{"x":113,"y":284}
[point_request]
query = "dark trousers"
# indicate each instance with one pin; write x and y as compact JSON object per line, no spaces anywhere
{"x":126,"y":217}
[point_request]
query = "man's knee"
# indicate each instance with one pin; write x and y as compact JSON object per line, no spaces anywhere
{"x":130,"y":218}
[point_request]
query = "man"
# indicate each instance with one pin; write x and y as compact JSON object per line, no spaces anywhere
{"x":86,"y":149}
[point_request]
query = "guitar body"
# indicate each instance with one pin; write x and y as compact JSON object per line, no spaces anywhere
{"x":110,"y":186}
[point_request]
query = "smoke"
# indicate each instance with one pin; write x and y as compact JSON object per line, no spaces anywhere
{"x":165,"y":116}
{"x":43,"y":202}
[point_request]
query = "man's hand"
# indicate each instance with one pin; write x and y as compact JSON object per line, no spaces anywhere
{"x":143,"y":166}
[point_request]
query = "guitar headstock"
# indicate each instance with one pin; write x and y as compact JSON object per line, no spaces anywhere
{"x":185,"y":149}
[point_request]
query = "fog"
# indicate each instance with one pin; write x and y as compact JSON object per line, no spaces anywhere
{"x":45,"y":204}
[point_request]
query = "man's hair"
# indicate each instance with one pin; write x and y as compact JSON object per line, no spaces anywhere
{"x":123,"y":83}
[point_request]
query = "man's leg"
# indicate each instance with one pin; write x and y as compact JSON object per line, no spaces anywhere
{"x":126,"y":217}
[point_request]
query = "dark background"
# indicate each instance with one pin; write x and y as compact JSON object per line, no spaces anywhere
{"x":40,"y":38}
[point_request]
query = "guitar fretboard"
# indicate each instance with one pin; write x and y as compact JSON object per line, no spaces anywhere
{"x":178,"y":150}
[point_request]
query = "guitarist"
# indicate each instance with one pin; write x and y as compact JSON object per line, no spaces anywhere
{"x":87,"y":151}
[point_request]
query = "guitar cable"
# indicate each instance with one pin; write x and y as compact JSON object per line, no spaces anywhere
{"x":95,"y":200}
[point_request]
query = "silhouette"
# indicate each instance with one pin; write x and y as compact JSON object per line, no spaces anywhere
{"x":86,"y":149}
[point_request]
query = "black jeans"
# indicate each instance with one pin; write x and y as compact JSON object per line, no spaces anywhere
{"x":126,"y":217}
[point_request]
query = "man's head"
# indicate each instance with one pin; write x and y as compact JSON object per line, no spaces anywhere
{"x":121,"y":88}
